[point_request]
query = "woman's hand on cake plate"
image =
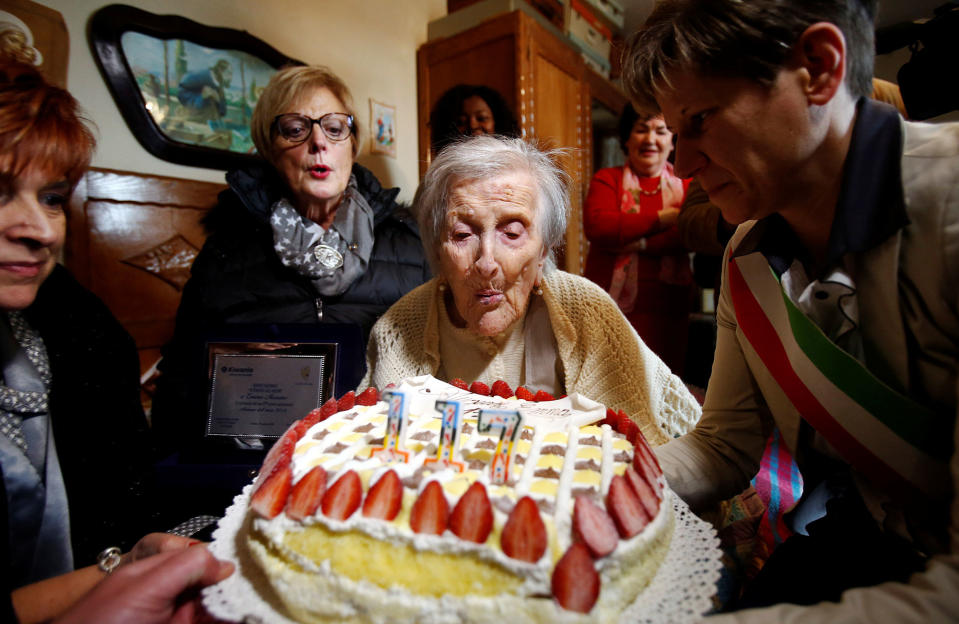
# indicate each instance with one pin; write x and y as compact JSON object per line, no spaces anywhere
{"x":160,"y":588}
{"x":156,"y":543}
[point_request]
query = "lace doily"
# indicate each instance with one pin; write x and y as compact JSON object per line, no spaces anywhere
{"x":685,"y":583}
{"x":681,"y":591}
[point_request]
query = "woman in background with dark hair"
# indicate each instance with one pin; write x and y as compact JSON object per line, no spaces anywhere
{"x":635,"y":253}
{"x":468,"y":110}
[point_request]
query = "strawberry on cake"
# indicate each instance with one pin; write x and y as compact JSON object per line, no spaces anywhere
{"x":454,"y":503}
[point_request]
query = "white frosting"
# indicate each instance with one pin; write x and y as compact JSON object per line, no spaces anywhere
{"x":562,"y":515}
{"x":522,"y":487}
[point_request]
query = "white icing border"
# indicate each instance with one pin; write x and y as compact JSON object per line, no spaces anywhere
{"x":681,"y":590}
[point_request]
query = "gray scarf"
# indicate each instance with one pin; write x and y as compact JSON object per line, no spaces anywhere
{"x":30,"y":397}
{"x":37,"y":512}
{"x":333,"y":258}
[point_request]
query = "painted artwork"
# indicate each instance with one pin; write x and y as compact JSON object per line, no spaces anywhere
{"x":186,"y":90}
{"x":382,"y":129}
{"x":195,"y":94}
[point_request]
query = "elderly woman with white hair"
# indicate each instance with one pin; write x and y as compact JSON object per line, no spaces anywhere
{"x":490,"y":211}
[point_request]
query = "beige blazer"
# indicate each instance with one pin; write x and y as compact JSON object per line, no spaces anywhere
{"x":908,"y":290}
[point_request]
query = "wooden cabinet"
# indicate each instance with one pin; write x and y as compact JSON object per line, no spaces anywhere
{"x":549,"y":87}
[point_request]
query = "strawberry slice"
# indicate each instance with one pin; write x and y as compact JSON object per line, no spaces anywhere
{"x":478,"y":387}
{"x":644,"y":491}
{"x":384,"y":498}
{"x":611,"y":419}
{"x":649,"y":455}
{"x":624,"y":506}
{"x":644,"y":464}
{"x":593,"y":526}
{"x":501,"y":389}
{"x":459,"y":383}
{"x":524,"y":394}
{"x":368,"y":397}
{"x":472,"y":517}
{"x":632,"y":431}
{"x":280,"y":454}
{"x":542,"y":395}
{"x":623,"y":421}
{"x":299,"y":428}
{"x":329,"y":408}
{"x":346,"y":402}
{"x":306,"y":494}
{"x":575,"y":582}
{"x":524,"y":534}
{"x":430,"y":512}
{"x":269,"y":498}
{"x":343,"y":497}
{"x":312,"y":418}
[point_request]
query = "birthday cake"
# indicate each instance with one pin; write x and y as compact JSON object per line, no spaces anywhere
{"x":434,"y":503}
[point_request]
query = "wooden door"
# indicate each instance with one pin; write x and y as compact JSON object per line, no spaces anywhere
{"x":559,"y":118}
{"x":485,"y":55}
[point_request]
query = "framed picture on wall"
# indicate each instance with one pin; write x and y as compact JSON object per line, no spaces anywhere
{"x":382,"y":128}
{"x":187,"y":91}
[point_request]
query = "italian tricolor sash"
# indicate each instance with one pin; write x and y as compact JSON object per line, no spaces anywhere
{"x":898,"y":444}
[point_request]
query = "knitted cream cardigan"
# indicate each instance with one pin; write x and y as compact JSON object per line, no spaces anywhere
{"x":602,"y":356}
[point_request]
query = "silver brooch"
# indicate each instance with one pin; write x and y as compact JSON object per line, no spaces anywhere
{"x":328,"y":257}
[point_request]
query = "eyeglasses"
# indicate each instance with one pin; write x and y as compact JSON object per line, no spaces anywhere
{"x":297,"y":128}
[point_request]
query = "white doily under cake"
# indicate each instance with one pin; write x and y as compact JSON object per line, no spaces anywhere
{"x":681,"y":591}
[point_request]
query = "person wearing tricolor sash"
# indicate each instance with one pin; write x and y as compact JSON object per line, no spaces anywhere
{"x":838,"y":318}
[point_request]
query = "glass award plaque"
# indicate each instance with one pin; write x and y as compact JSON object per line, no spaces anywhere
{"x":257,"y":389}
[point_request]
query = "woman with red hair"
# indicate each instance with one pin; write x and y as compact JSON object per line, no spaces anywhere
{"x":75,"y":456}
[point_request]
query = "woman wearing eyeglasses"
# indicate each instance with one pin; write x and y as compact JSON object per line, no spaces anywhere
{"x":306,"y":237}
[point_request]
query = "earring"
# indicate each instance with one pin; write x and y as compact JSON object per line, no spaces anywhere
{"x":441,"y":286}
{"x":539,"y":290}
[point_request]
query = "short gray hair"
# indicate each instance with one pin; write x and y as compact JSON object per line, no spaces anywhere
{"x":484,"y":157}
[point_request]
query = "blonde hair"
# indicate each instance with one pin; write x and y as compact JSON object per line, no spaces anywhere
{"x":285,"y":88}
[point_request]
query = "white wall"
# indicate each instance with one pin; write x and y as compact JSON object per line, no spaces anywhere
{"x":370,"y":44}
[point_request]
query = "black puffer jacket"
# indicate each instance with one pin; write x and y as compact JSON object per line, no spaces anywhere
{"x":238,"y":278}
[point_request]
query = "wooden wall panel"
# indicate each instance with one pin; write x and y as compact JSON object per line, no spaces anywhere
{"x":131,"y":240}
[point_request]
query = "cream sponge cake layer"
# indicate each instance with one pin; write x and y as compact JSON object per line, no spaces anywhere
{"x":369,"y":570}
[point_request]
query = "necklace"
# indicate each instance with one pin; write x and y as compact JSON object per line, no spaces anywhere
{"x":659,"y":187}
